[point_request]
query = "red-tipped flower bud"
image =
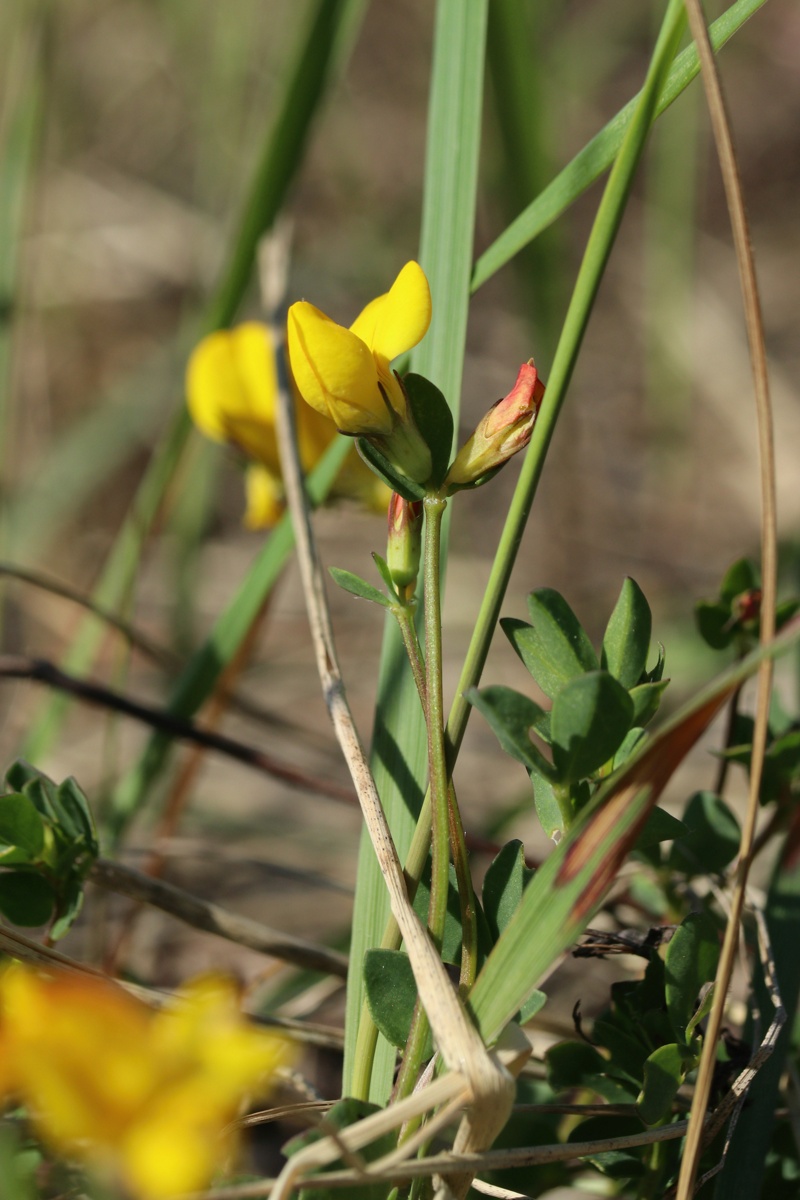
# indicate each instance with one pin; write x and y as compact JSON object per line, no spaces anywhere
{"x":405,"y":540}
{"x":505,"y":429}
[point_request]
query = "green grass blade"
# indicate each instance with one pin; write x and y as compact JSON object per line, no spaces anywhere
{"x":200,"y":676}
{"x":598,"y":249}
{"x":451,"y":171}
{"x":597,"y":155}
{"x":568,"y":889}
{"x":330,"y":34}
{"x":20,"y":129}
{"x":521,"y":112}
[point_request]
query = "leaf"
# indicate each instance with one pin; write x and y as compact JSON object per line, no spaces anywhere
{"x":21,"y":829}
{"x":711,"y":837}
{"x":554,"y":648}
{"x":578,"y":1065}
{"x":69,"y":905}
{"x":77,"y":815}
{"x":616,"y":1164}
{"x":533,"y":1005}
{"x":434,"y":420}
{"x":359,"y":587}
{"x":25,"y":898}
{"x":660,"y":826}
{"x":405,"y":487}
{"x":714,"y":624}
{"x":632,"y":740}
{"x":742,"y":576}
{"x":589,"y":720}
{"x":691,"y":960}
{"x":503,"y":885}
{"x":627,"y":637}
{"x":663,"y":1075}
{"x":451,"y":937}
{"x":701,"y":1012}
{"x":546,"y":803}
{"x":511,"y":715}
{"x":646,"y":699}
{"x":384,"y":572}
{"x":391,"y":992}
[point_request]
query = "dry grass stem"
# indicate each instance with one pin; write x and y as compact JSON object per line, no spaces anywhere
{"x":755,"y":333}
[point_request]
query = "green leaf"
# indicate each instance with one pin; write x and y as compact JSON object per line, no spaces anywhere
{"x":69,"y":904}
{"x":359,"y":587}
{"x":646,"y":700}
{"x":632,"y":740}
{"x":344,"y":1113}
{"x":663,"y":1075}
{"x":434,"y":420}
{"x":405,"y":487}
{"x":743,"y":576}
{"x":714,"y":624}
{"x":578,"y":1065}
{"x":554,"y":647}
{"x":691,"y":960}
{"x":660,"y":826}
{"x":511,"y":715}
{"x":384,"y":572}
{"x":77,"y":815}
{"x":503,"y":885}
{"x":21,"y":830}
{"x":546,"y":803}
{"x":627,"y":637}
{"x":616,"y":1164}
{"x":25,"y":898}
{"x":711,"y":837}
{"x":533,"y":1005}
{"x":657,"y":673}
{"x":589,"y":720}
{"x":701,"y":1012}
{"x":391,"y":992}
{"x":451,"y":937}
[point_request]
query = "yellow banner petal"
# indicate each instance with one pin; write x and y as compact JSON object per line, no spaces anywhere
{"x":404,"y":314}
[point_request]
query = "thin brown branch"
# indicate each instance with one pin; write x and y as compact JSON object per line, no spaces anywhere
{"x":755,"y":334}
{"x":39,"y":670}
{"x":213,"y":918}
{"x":147,"y":646}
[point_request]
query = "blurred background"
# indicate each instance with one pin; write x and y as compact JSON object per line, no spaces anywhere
{"x":130,"y":133}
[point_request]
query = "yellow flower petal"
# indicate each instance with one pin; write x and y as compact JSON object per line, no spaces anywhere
{"x":143,"y":1096}
{"x":403,"y":318}
{"x":264,"y":493}
{"x":335,"y":372}
{"x":231,"y":388}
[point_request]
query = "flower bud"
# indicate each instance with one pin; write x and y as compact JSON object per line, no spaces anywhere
{"x":405,"y":540}
{"x":505,"y":429}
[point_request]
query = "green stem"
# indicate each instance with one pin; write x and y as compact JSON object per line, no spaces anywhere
{"x":437,"y":763}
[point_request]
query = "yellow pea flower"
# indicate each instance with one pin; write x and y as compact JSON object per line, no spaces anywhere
{"x":345,"y":374}
{"x":143,"y":1096}
{"x":232,"y":390}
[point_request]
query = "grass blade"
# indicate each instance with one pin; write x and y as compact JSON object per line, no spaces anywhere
{"x":324,"y":46}
{"x":399,"y":748}
{"x":590,"y":163}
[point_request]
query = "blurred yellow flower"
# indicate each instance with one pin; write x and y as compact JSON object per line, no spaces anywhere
{"x":143,"y":1096}
{"x":345,"y":374}
{"x":232,"y":393}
